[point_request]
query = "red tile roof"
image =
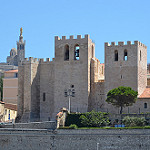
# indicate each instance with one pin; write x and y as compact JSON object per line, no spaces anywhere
{"x":146,"y":93}
{"x":11,"y":71}
{"x":10,"y":106}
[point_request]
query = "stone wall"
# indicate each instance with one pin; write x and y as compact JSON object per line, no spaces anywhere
{"x":47,"y":88}
{"x":22,"y":139}
{"x":51,"y":125}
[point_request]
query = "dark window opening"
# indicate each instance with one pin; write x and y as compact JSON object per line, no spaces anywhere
{"x":21,"y":47}
{"x":116,"y":55}
{"x":125,"y":55}
{"x":72,"y":86}
{"x":9,"y":115}
{"x":140,"y":56}
{"x":44,"y":96}
{"x":121,"y":76}
{"x":77,"y":48}
{"x":145,"y":105}
{"x":66,"y":57}
{"x":16,"y":75}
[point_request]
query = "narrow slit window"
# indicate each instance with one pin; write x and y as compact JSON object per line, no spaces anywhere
{"x":125,"y":55}
{"x":140,"y":56}
{"x":92,"y":51}
{"x":116,"y":55}
{"x":121,"y":76}
{"x":66,"y":55}
{"x":16,"y":75}
{"x":44,"y":96}
{"x":77,"y":48}
{"x":145,"y":105}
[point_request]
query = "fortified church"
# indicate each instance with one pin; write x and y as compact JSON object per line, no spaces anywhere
{"x":75,"y":69}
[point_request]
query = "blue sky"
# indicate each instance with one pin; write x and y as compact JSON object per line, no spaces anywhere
{"x":41,"y":20}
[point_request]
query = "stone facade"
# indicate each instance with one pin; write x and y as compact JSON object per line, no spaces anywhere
{"x":42,"y":83}
{"x":10,"y":86}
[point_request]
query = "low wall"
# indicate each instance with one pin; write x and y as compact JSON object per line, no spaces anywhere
{"x":32,"y":125}
{"x":100,"y":139}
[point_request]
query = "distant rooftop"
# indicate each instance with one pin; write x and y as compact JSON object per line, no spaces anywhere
{"x":11,"y":71}
{"x":146,"y":93}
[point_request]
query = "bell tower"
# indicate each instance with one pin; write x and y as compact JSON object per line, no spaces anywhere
{"x":20,"y":47}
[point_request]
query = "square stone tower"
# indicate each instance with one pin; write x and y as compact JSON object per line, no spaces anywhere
{"x":126,"y":65}
{"x":72,"y":70}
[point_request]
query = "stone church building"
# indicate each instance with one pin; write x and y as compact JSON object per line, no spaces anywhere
{"x":43,"y":84}
{"x":18,"y":55}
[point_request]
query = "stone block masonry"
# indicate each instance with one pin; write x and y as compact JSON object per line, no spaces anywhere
{"x":42,"y":83}
{"x":35,"y":139}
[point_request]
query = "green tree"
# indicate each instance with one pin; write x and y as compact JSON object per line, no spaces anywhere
{"x":1,"y":88}
{"x":122,"y":97}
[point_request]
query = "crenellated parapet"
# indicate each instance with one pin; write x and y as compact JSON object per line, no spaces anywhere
{"x":36,"y":60}
{"x":79,"y":37}
{"x":120,"y":43}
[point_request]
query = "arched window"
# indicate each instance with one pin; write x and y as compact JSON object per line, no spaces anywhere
{"x":66,"y":55}
{"x":76,"y":52}
{"x":125,"y":55}
{"x":140,"y":56}
{"x":145,"y":105}
{"x":116,"y":55}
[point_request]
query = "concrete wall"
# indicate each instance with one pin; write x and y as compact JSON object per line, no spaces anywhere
{"x":21,"y":139}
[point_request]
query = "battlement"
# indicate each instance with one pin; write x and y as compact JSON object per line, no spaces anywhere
{"x":57,"y":38}
{"x":120,"y":43}
{"x":36,"y":60}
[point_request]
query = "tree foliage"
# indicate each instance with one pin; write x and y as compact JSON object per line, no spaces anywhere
{"x":1,"y":88}
{"x":134,"y":121}
{"x":94,"y":119}
{"x":122,"y":97}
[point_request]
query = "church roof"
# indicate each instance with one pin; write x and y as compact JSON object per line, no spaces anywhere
{"x":146,"y":93}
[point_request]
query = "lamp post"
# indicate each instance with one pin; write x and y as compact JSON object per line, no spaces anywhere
{"x":97,"y":146}
{"x":70,"y":92}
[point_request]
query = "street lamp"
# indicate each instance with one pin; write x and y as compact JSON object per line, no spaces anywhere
{"x":70,"y":92}
{"x":97,"y":146}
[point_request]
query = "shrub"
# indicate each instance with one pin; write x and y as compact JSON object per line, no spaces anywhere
{"x":88,"y":119}
{"x":94,"y":119}
{"x":73,"y":126}
{"x":134,"y":121}
{"x":73,"y":119}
